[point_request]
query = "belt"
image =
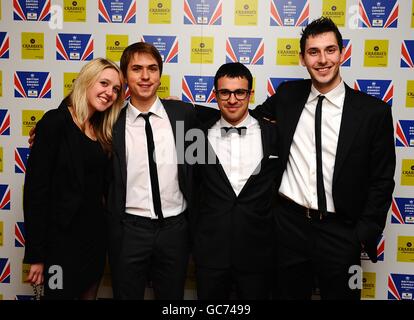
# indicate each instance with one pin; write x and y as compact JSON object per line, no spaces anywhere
{"x":151,"y":222}
{"x":311,"y":214}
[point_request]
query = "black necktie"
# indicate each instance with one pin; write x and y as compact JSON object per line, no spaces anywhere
{"x":227,"y":130}
{"x":318,"y":142}
{"x":156,"y":198}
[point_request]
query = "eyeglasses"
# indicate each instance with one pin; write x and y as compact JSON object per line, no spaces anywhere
{"x":239,"y":94}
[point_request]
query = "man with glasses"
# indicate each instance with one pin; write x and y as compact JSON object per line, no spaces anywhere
{"x":233,"y":225}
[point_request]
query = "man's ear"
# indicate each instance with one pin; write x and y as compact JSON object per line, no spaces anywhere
{"x":342,"y":55}
{"x":302,"y":61}
{"x":251,"y":95}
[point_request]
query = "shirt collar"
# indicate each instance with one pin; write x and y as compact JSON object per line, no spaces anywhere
{"x":247,"y":122}
{"x":157,"y":108}
{"x":336,"y":96}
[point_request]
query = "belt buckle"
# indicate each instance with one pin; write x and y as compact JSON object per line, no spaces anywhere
{"x":308,"y":213}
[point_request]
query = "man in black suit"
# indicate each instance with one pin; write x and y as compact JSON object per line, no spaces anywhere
{"x":149,"y":233}
{"x":338,"y":160}
{"x":233,"y":225}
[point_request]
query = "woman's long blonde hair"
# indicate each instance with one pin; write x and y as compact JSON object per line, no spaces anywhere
{"x":102,"y":122}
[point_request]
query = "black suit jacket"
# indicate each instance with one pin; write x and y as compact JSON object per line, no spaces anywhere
{"x":54,"y":181}
{"x":363,"y":179}
{"x":230,"y":230}
{"x":182,"y":117}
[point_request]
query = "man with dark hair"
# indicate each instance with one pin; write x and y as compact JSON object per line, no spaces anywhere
{"x":338,"y":161}
{"x":148,"y":196}
{"x":233,"y":225}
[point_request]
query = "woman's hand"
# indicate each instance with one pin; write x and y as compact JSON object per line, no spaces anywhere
{"x":36,"y":274}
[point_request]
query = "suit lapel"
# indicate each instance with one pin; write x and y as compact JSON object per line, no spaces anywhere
{"x":210,"y":153}
{"x":265,"y":133}
{"x":351,"y":121}
{"x":118,"y":137}
{"x":291,"y":118}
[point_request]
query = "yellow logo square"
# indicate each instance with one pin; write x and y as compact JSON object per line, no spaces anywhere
{"x":287,"y":51}
{"x":376,"y":53}
{"x":74,"y":11}
{"x":336,"y":10}
{"x":405,"y":250}
{"x":68,"y":78}
{"x":407,"y":172}
{"x":159,"y":12}
{"x":163,"y":90}
{"x":115,"y":45}
{"x":33,"y":45}
{"x":29,"y":120}
{"x":245,"y":13}
{"x":202,"y":50}
{"x":409,"y":99}
{"x":368,"y":285}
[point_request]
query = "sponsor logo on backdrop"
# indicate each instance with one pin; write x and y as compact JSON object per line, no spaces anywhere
{"x":4,"y":270}
{"x":203,"y":12}
{"x":336,"y":10}
{"x":409,"y":98}
{"x":117,"y":11}
{"x":4,"y":197}
{"x":376,"y":53}
{"x":369,"y":283}
{"x":166,"y":45}
{"x":404,"y":136}
{"x":400,"y":286}
{"x":159,"y":12}
{"x":19,"y":235}
{"x":32,"y":84}
{"x":29,"y":120}
{"x":407,"y":54}
{"x":33,"y":45}
{"x":202,"y":50}
{"x":402,"y":211}
{"x":20,"y":159}
{"x":289,"y":13}
{"x":4,"y":122}
{"x":347,"y":47}
{"x":273,"y":83}
{"x":4,"y":45}
{"x":287,"y":52}
{"x":115,"y":45}
{"x":74,"y":11}
{"x":70,"y":46}
{"x":412,"y":15}
{"x":68,"y":79}
{"x":407,"y":172}
{"x":163,"y":90}
{"x":405,"y":250}
{"x":245,"y":50}
{"x":31,"y":10}
{"x":380,"y":249}
{"x":378,"y":13}
{"x":245,"y":13}
{"x":198,"y":89}
{"x":381,"y":89}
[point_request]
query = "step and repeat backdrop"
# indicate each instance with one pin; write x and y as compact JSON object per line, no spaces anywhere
{"x":44,"y":43}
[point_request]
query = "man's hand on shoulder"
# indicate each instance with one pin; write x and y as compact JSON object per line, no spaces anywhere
{"x":31,"y":136}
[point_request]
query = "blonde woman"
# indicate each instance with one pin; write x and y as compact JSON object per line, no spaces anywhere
{"x":65,"y":182}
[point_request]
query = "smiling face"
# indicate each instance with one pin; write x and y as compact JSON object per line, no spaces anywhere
{"x":143,"y":79}
{"x":323,"y":59}
{"x":233,"y":111}
{"x":102,"y":94}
